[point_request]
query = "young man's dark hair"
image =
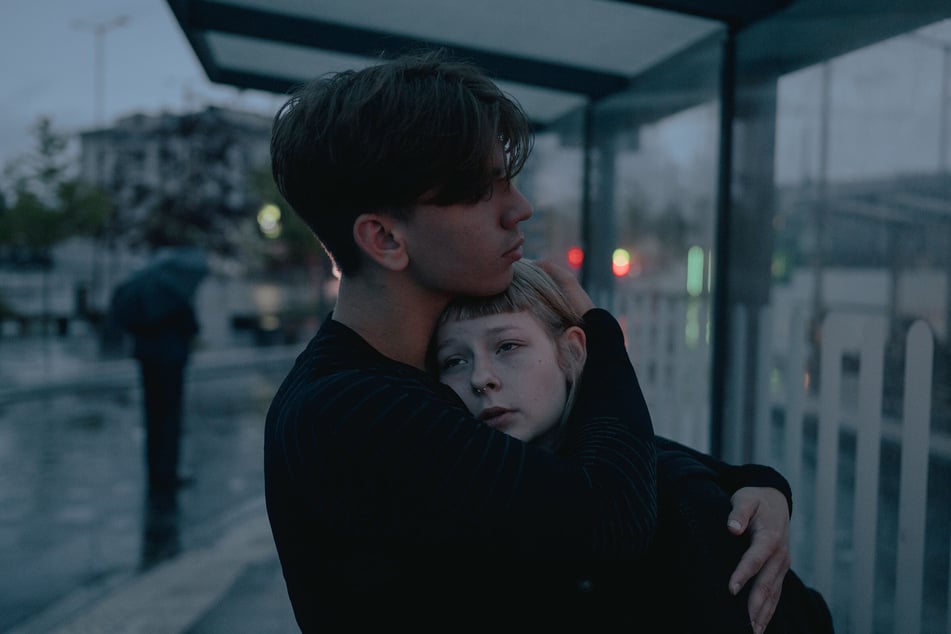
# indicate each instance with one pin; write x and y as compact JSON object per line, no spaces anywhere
{"x":336,"y":140}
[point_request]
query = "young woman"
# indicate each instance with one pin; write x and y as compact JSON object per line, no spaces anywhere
{"x":516,"y":361}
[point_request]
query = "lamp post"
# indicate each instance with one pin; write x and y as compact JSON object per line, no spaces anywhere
{"x":99,"y":31}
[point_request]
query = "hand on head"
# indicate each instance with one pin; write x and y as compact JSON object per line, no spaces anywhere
{"x":579,"y":299}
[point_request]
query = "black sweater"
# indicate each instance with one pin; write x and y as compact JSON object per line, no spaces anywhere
{"x":389,"y":503}
{"x":683,"y":581}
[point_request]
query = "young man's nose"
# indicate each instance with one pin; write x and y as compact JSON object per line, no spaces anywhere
{"x":519,"y":208}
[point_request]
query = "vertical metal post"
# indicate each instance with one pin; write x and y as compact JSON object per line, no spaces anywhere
{"x":719,"y":342}
{"x":943,"y":108}
{"x":587,"y":141}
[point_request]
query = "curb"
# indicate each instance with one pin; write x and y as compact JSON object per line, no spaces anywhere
{"x":170,"y":597}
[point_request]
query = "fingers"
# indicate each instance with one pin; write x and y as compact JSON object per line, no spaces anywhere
{"x":767,"y":560}
{"x":744,"y":506}
{"x":759,"y":512}
{"x":569,"y":284}
{"x":752,"y":561}
{"x":765,"y":592}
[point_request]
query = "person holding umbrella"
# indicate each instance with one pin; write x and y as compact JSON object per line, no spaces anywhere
{"x":156,"y":306}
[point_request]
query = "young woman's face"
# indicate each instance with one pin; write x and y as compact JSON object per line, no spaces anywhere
{"x":505,"y":368}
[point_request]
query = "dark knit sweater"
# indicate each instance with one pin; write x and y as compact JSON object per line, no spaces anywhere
{"x":684,"y":578}
{"x":389,"y":503}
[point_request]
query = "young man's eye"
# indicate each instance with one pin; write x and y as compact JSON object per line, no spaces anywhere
{"x":500,"y":182}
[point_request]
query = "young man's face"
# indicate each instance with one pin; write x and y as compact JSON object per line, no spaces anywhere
{"x":505,"y":369}
{"x":468,"y":249}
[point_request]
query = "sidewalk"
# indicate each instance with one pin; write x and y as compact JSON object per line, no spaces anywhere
{"x":233,"y":585}
{"x":75,"y":532}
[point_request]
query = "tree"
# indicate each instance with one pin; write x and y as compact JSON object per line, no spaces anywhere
{"x":201,"y":195}
{"x":49,"y":205}
{"x":293,"y":244}
{"x":284,"y":246}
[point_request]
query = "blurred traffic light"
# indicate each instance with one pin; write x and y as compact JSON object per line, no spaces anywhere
{"x":575,"y":257}
{"x":621,"y":262}
{"x":269,"y":220}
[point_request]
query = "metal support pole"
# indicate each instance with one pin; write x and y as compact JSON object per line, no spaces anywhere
{"x":719,"y":343}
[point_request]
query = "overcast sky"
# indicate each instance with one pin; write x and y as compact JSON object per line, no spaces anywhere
{"x":47,"y":48}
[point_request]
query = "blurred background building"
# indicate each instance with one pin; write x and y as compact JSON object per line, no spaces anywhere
{"x":194,"y":179}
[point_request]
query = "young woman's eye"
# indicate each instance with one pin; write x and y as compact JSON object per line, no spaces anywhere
{"x":450,"y":363}
{"x":508,"y":346}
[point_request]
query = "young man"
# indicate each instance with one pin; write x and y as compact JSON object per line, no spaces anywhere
{"x":388,"y":501}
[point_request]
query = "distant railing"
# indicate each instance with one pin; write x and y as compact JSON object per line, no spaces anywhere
{"x":667,"y":336}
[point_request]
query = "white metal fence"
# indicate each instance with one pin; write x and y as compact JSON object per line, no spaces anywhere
{"x":668,"y":340}
{"x":861,"y":510}
{"x":868,"y":532}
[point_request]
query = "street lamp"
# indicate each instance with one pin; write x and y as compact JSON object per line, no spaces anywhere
{"x":99,"y":31}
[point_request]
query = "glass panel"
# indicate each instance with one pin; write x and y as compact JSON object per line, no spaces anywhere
{"x":654,"y":184}
{"x":552,"y":181}
{"x":840,"y":300}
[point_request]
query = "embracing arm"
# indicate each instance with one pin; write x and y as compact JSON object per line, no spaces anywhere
{"x":761,"y":505}
{"x":732,"y":478}
{"x":393,"y":453}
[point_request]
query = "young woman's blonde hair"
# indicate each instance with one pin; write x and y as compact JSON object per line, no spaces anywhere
{"x":533,"y":291}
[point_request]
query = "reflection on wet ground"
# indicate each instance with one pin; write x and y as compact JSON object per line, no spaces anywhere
{"x":160,"y":538}
{"x":73,"y":505}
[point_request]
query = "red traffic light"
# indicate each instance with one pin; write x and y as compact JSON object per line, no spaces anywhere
{"x":575,"y":257}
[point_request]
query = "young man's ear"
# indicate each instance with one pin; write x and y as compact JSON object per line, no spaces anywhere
{"x":379,"y":237}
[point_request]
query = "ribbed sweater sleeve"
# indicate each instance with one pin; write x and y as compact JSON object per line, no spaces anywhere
{"x":682,"y":459}
{"x":376,"y":450}
{"x":610,"y":392}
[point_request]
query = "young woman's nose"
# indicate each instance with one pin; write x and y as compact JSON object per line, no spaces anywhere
{"x":483,"y":379}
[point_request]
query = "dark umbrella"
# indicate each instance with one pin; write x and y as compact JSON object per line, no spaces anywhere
{"x":161,"y":289}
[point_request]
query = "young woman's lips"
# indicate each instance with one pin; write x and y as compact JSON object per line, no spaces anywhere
{"x":496,"y":417}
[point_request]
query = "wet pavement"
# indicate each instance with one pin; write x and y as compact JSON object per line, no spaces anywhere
{"x":84,"y":549}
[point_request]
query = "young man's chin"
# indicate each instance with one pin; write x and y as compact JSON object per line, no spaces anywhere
{"x":496,"y":288}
